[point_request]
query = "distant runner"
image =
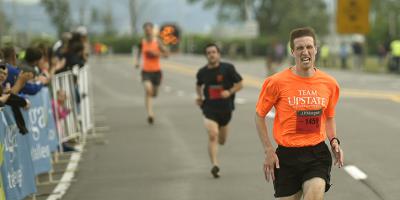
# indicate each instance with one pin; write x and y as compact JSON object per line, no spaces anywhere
{"x":304,"y":98}
{"x":217,"y":83}
{"x":150,"y":49}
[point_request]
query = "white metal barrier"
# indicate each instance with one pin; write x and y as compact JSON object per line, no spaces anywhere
{"x":85,"y":105}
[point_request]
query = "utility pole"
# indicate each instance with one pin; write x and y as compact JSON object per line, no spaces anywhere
{"x":133,"y":11}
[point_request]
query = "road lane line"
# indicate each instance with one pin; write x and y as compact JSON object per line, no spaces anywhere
{"x":255,"y":82}
{"x":355,"y":172}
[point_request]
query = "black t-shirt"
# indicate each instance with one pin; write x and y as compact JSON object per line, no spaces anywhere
{"x":215,"y":80}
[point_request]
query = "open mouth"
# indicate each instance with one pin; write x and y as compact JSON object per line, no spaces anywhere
{"x":306,"y":60}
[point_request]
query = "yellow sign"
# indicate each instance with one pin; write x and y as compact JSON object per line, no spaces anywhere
{"x":352,"y":16}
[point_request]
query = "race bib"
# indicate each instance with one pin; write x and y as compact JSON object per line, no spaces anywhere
{"x":308,"y":121}
{"x":214,"y":91}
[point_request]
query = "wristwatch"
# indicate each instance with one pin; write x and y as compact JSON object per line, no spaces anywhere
{"x":334,"y":138}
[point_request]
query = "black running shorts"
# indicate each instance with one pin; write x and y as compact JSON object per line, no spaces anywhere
{"x":153,"y":77}
{"x":299,"y":164}
{"x":222,"y":118}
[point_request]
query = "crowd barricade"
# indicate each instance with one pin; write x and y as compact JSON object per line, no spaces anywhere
{"x":68,"y":128}
{"x":86,"y":114}
{"x":23,"y":157}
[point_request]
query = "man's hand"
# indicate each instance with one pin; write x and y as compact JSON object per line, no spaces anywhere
{"x":43,"y":79}
{"x":25,"y":76}
{"x":60,"y":64}
{"x":199,"y":101}
{"x":225,"y":94}
{"x":7,"y":89}
{"x":271,"y":161}
{"x":4,"y":97}
{"x":338,"y":153}
{"x":28,"y":104}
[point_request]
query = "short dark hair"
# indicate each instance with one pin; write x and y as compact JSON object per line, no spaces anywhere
{"x":33,"y":54}
{"x":211,"y":45}
{"x":148,"y":24}
{"x":301,"y":32}
{"x":9,"y":53}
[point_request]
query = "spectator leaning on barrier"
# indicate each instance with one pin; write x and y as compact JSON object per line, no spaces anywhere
{"x":16,"y":102}
{"x":49,"y":65}
{"x":60,"y":47}
{"x":18,"y":79}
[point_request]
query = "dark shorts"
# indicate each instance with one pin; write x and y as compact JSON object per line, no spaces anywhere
{"x":222,"y":118}
{"x":153,"y":77}
{"x":298,"y":165}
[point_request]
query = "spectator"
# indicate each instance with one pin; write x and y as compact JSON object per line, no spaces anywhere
{"x":17,"y":78}
{"x":325,"y":55}
{"x":344,"y":54}
{"x":358,"y":55}
{"x":14,"y":101}
{"x":395,"y":56}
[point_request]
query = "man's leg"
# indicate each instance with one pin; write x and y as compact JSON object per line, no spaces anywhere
{"x":296,"y":196}
{"x":223,"y":134}
{"x":212,"y":129}
{"x":148,"y":87}
{"x":314,"y":189}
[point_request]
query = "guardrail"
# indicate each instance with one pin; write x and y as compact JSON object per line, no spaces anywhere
{"x":51,"y":121}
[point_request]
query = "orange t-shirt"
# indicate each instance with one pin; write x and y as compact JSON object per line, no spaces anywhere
{"x":302,"y":106}
{"x":150,"y":63}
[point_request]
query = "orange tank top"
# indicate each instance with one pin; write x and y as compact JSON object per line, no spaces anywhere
{"x":150,"y":63}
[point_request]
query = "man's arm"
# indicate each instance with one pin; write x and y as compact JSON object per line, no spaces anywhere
{"x":235,"y":88}
{"x":271,"y":159}
{"x":163,"y":49}
{"x":335,"y":146}
{"x":199,"y":99}
{"x":138,"y":55}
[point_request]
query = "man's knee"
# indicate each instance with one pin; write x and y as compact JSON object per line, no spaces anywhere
{"x":213,"y":136}
{"x":314,"y":189}
{"x":223,"y":132}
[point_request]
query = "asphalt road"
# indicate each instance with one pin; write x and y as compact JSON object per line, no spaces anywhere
{"x":169,"y":160}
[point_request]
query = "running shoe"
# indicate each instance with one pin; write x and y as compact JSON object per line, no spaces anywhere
{"x":215,"y":171}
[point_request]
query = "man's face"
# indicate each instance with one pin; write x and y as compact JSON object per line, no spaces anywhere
{"x":304,"y":52}
{"x":148,"y":30}
{"x":213,"y":55}
{"x":3,"y":74}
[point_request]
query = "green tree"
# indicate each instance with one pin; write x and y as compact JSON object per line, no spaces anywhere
{"x":275,"y":17}
{"x":108,"y":22}
{"x":59,"y":12}
{"x":385,"y":23}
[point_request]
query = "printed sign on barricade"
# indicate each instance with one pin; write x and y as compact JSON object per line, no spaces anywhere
{"x":36,"y":121}
{"x":2,"y":195}
{"x":17,"y":169}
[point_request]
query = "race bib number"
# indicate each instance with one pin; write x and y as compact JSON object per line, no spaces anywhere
{"x":214,"y":91}
{"x":308,"y":121}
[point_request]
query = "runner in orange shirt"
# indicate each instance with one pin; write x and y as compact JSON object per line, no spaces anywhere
{"x":304,"y":98}
{"x":150,"y":49}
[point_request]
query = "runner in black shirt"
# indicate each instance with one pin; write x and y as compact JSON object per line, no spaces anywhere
{"x":217,"y":83}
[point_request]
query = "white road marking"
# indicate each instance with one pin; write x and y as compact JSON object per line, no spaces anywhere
{"x":67,"y":177}
{"x":167,"y":89}
{"x":240,"y":101}
{"x":180,"y":93}
{"x":355,"y":172}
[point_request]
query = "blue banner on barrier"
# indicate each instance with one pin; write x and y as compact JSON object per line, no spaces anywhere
{"x":17,"y":169}
{"x":36,"y":121}
{"x":51,"y":124}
